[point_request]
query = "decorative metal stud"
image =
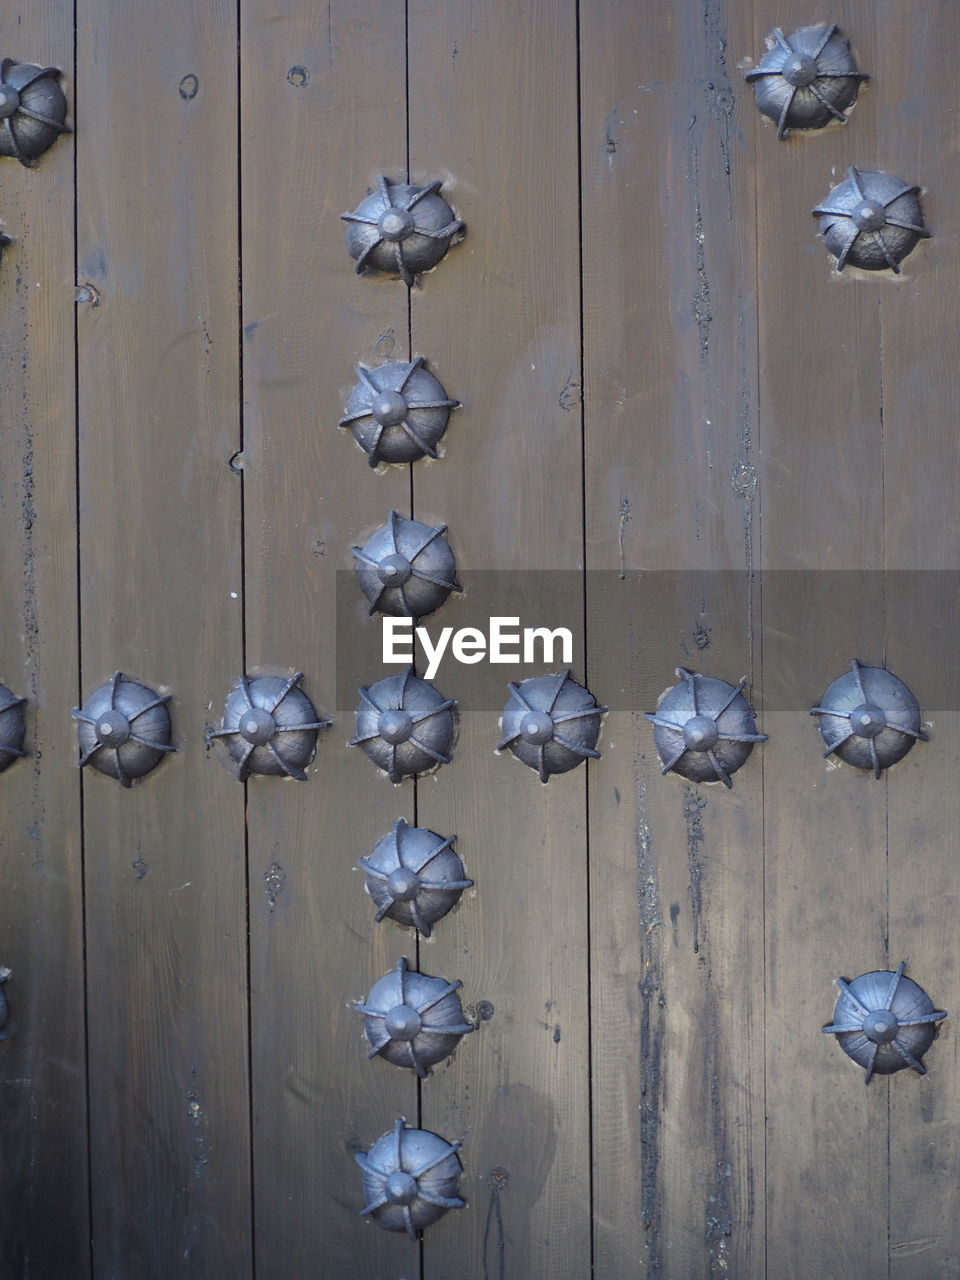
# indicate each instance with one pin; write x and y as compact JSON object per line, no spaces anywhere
{"x":270,"y":727}
{"x":410,"y":1179}
{"x":405,"y":725}
{"x":5,"y":973}
{"x":530,"y":720}
{"x":401,"y":229}
{"x":406,"y":568}
{"x":413,"y":1020}
{"x":123,"y":729}
{"x":414,"y":876}
{"x":704,"y":728}
{"x":4,"y":241}
{"x":806,"y":79}
{"x":398,"y":411}
{"x":32,"y":110}
{"x":871,"y":220}
{"x":884,"y":1021}
{"x":12,"y":728}
{"x":869,"y":718}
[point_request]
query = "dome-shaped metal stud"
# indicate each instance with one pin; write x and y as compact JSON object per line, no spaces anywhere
{"x":398,"y":411}
{"x":869,"y":718}
{"x":414,"y":876}
{"x":410,"y":1179}
{"x":884,"y":1021}
{"x":4,"y":241}
{"x":123,"y":729}
{"x":270,"y":727}
{"x":12,"y":728}
{"x":32,"y":110}
{"x":405,"y":725}
{"x":704,"y":728}
{"x":413,"y":1020}
{"x":871,"y":220}
{"x":806,"y":79}
{"x":401,"y":229}
{"x":406,"y":568}
{"x":5,"y":973}
{"x":551,"y":723}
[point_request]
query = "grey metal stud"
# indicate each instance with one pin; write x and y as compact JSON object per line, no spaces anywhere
{"x":123,"y":729}
{"x":410,"y":1179}
{"x":401,"y":229}
{"x":413,"y":1020}
{"x":398,"y":412}
{"x":806,"y":79}
{"x":414,"y":876}
{"x":32,"y":110}
{"x":869,"y":718}
{"x":406,"y":568}
{"x":704,"y":728}
{"x":551,"y":723}
{"x":884,"y":1021}
{"x":12,"y":728}
{"x":871,"y":220}
{"x":405,"y":725}
{"x":270,"y":727}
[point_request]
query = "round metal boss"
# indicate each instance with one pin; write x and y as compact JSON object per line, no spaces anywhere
{"x":414,"y":876}
{"x":12,"y":727}
{"x":884,"y":1021}
{"x":551,"y":723}
{"x":405,"y":725}
{"x":4,"y":241}
{"x":401,"y":229}
{"x":32,"y":110}
{"x":410,"y":1179}
{"x":413,"y":1020}
{"x":869,"y":718}
{"x":270,"y":727}
{"x":406,"y":568}
{"x":123,"y":729}
{"x":806,"y":79}
{"x":871,"y":220}
{"x":704,"y":728}
{"x":398,"y":411}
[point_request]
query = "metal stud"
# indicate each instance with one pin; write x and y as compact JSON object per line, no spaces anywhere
{"x":704,"y":728}
{"x":401,"y":229}
{"x":123,"y":729}
{"x":871,"y":220}
{"x":414,"y":876}
{"x":806,"y":79}
{"x":551,"y":723}
{"x":413,"y":1020}
{"x":5,"y":973}
{"x":398,"y":411}
{"x":406,"y":568}
{"x":884,"y":1021}
{"x":410,"y":1179}
{"x":4,"y":241}
{"x":869,"y":718}
{"x":405,"y":725}
{"x":12,"y":728}
{"x":32,"y":110}
{"x":270,"y":727}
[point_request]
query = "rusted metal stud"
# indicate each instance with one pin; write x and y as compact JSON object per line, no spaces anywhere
{"x":405,"y":725}
{"x":806,"y":79}
{"x":269,"y":727}
{"x":406,"y":568}
{"x":398,"y":412}
{"x":884,"y":1021}
{"x":704,"y":728}
{"x":413,"y":1020}
{"x":5,"y":974}
{"x":871,"y":220}
{"x":869,"y":718}
{"x":414,"y":876}
{"x":123,"y":729}
{"x":32,"y":110}
{"x":410,"y":1179}
{"x":551,"y":723}
{"x":401,"y":229}
{"x":12,"y":728}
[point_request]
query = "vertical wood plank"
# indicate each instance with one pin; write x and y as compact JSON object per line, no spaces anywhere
{"x":44,"y":1208}
{"x":160,"y":563}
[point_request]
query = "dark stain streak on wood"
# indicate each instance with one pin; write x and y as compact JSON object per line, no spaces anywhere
{"x":693,"y":807}
{"x":652,"y":1039}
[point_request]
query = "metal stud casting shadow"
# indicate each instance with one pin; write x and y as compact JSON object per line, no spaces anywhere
{"x":871,"y":221}
{"x":401,"y":229}
{"x":414,"y":876}
{"x":406,"y":568}
{"x":32,"y":110}
{"x":704,"y":728}
{"x":269,"y":727}
{"x":413,"y":1020}
{"x":869,"y":718}
{"x":806,"y":79}
{"x":12,"y":728}
{"x":410,"y":1179}
{"x":884,"y":1021}
{"x":398,"y":412}
{"x":405,"y":725}
{"x":529,"y":724}
{"x":123,"y":729}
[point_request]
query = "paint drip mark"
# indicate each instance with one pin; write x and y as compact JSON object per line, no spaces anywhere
{"x":493,"y":1227}
{"x":274,"y":879}
{"x":718,"y":88}
{"x":702,"y":307}
{"x":198,"y":1125}
{"x":718,"y":1219}
{"x":693,"y":807}
{"x":621,"y":525}
{"x":652,"y":1040}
